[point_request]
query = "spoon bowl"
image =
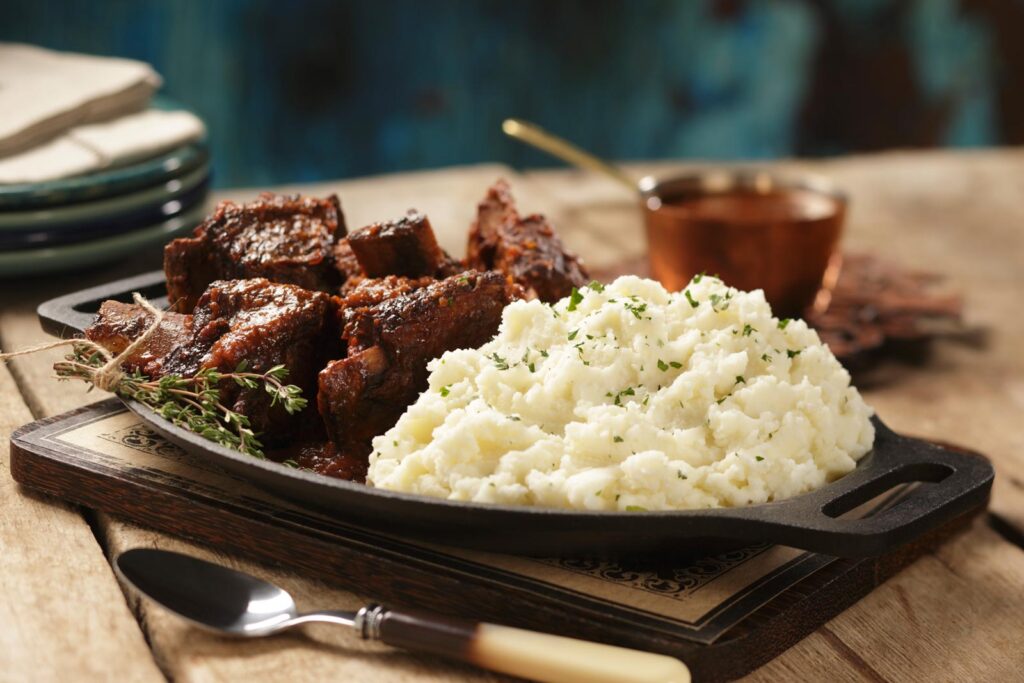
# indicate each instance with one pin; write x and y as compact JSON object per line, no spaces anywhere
{"x":208,"y":595}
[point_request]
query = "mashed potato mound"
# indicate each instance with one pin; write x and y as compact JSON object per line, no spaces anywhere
{"x":627,"y":397}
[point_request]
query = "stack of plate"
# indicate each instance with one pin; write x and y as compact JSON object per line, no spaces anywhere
{"x":102,"y":216}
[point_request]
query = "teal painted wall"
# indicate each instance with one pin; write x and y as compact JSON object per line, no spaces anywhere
{"x":312,"y":89}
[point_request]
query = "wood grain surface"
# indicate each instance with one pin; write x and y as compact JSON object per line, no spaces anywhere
{"x":953,"y":615}
{"x":57,"y":592}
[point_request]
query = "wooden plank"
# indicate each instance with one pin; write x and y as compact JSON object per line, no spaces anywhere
{"x":958,"y":214}
{"x":815,"y":658}
{"x":955,"y":615}
{"x":951,"y":616}
{"x":63,"y":615}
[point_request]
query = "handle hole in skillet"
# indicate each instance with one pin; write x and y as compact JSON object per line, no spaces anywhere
{"x":156,"y":293}
{"x":875,"y":489}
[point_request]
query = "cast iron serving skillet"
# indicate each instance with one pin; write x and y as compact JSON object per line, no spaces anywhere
{"x":951,"y":483}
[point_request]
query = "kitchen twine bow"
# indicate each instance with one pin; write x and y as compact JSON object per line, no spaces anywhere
{"x":109,"y":375}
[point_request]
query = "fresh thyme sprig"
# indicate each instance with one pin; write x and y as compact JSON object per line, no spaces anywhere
{"x":192,"y":402}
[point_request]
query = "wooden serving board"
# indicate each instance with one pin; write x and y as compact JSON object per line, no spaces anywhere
{"x":723,"y":616}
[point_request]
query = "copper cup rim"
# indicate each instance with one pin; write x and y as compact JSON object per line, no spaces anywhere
{"x":723,"y":180}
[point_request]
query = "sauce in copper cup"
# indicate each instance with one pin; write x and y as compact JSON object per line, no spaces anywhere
{"x":754,"y":230}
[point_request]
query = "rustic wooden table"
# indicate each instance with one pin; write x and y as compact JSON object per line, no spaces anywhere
{"x":954,"y":615}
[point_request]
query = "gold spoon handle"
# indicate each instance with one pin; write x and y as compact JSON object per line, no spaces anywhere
{"x":536,"y":136}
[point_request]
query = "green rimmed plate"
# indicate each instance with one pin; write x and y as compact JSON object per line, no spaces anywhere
{"x":33,"y":262}
{"x":72,"y":215}
{"x":103,"y":184}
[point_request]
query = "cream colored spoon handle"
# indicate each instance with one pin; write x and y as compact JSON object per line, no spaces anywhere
{"x":536,"y":136}
{"x":527,"y":654}
{"x":545,"y":657}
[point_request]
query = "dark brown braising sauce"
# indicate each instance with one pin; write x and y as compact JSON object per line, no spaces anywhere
{"x":780,"y":240}
{"x":323,"y":458}
{"x":755,"y":207}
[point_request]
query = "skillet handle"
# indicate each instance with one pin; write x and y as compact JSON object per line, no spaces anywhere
{"x":70,"y":314}
{"x":952,"y":483}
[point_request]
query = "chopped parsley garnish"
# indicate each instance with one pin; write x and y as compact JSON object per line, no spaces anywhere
{"x":628,"y":391}
{"x":719,"y":401}
{"x":740,"y":379}
{"x":514,"y":418}
{"x":574,"y":299}
{"x":572,"y":335}
{"x":680,"y":474}
{"x":675,"y":364}
{"x":698,"y":277}
{"x":635,"y":309}
{"x":689,"y":297}
{"x":579,"y":349}
{"x":758,"y":458}
{"x":765,"y":357}
{"x":533,"y":368}
{"x":596,"y":286}
{"x":499,"y":362}
{"x":618,"y":439}
{"x":717,"y":299}
{"x":543,"y":353}
{"x":747,"y":329}
{"x":617,"y":497}
{"x":662,"y":365}
{"x":793,"y":354}
{"x":784,"y":322}
{"x":635,"y":508}
{"x":445,"y":390}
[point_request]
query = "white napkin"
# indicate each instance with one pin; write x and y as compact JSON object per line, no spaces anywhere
{"x":43,"y":92}
{"x":88,"y":148}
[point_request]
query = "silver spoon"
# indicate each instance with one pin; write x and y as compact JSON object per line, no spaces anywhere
{"x":234,"y":603}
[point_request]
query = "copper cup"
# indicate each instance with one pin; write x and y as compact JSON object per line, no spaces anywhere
{"x":755,"y":230}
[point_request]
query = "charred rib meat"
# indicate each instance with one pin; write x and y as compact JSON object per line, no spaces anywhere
{"x":354,"y":318}
{"x":390,"y":344}
{"x":118,"y":324}
{"x":526,"y":250}
{"x":255,"y":320}
{"x":405,"y":247}
{"x":286,"y":239}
